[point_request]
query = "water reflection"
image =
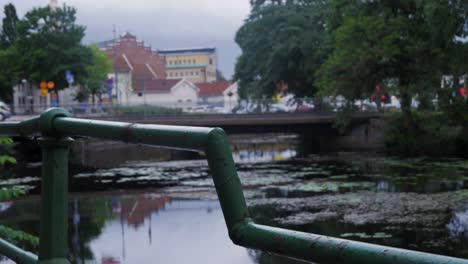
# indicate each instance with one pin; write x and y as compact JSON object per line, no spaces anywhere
{"x":142,"y":228}
{"x":264,"y":148}
{"x":458,"y":225}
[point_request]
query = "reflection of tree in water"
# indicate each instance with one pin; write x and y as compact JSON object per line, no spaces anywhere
{"x":261,"y":257}
{"x":93,"y":216}
{"x":94,"y":213}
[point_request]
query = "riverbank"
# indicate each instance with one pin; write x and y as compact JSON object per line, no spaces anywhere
{"x":436,"y":134}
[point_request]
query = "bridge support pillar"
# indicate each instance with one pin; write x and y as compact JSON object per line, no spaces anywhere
{"x":53,"y":238}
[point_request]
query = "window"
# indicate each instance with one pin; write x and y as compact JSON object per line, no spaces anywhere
{"x":180,"y":100}
{"x":191,"y":73}
{"x":211,"y":61}
{"x":140,"y":94}
{"x":184,"y":61}
{"x":193,"y":61}
{"x":189,"y":100}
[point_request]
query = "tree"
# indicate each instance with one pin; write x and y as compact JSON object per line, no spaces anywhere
{"x":49,"y":43}
{"x":220,"y":75}
{"x":97,"y":71}
{"x":9,"y":22}
{"x":281,"y":42}
{"x":9,"y":73}
{"x":9,"y":70}
{"x":398,"y":45}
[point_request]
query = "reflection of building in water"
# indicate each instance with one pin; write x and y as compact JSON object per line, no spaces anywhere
{"x":109,"y":260}
{"x":135,"y":210}
{"x":264,"y":152}
{"x":264,"y":148}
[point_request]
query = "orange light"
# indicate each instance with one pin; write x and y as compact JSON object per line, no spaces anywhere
{"x":43,"y":85}
{"x":43,"y":92}
{"x":50,"y":84}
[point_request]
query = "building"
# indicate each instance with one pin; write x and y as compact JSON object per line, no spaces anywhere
{"x":132,"y":62}
{"x":231,"y":97}
{"x":212,"y":92}
{"x":179,"y":93}
{"x":26,"y":99}
{"x":197,"y":65}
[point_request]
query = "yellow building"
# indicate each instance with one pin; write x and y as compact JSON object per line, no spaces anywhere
{"x":197,"y":65}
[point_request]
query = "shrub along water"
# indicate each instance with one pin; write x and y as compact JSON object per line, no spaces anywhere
{"x":436,"y":134}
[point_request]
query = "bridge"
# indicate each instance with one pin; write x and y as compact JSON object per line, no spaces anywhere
{"x":317,"y":122}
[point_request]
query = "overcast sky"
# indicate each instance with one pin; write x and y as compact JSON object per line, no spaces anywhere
{"x":161,"y":23}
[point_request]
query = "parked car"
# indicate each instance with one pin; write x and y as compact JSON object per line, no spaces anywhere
{"x":5,"y":111}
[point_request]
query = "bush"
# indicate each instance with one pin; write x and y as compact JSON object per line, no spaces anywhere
{"x":435,"y":135}
{"x":148,"y":110}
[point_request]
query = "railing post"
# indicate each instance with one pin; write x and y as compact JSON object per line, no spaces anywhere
{"x":53,"y":239}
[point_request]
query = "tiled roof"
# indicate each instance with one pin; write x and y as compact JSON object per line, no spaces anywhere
{"x":121,"y":64}
{"x":213,"y":88}
{"x":148,"y":85}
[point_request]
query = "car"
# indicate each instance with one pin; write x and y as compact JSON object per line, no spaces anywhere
{"x":5,"y":111}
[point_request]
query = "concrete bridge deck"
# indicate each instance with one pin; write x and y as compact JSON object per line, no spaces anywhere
{"x":238,"y":119}
{"x":243,"y":123}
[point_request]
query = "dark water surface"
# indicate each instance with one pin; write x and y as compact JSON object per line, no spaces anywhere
{"x":169,"y":212}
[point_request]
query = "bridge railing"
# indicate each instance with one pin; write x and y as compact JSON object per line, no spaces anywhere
{"x":174,"y":107}
{"x":55,"y":127}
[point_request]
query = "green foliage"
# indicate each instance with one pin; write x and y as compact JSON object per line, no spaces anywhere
{"x":281,"y":42}
{"x":10,"y":193}
{"x":9,"y":22}
{"x":6,"y":151}
{"x":20,"y":238}
{"x":403,"y":46}
{"x":220,"y":76}
{"x":148,"y":110}
{"x":8,"y":71}
{"x":49,"y":43}
{"x":343,"y":118}
{"x":97,"y":71}
{"x":434,"y":135}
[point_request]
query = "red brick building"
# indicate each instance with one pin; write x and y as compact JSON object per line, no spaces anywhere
{"x":129,"y":55}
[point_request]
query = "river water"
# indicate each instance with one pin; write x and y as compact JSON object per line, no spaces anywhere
{"x":168,"y":212}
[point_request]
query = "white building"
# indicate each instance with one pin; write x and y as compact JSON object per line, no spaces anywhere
{"x":230,"y":97}
{"x":163,"y":92}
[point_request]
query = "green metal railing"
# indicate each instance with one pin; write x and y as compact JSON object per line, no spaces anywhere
{"x":55,"y":126}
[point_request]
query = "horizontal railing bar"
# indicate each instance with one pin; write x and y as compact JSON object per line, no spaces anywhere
{"x":330,"y":250}
{"x":24,"y":128}
{"x":178,"y":137}
{"x":17,"y":254}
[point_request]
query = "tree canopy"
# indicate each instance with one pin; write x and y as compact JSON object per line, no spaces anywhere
{"x":97,"y":71}
{"x":400,"y":45}
{"x":281,"y":43}
{"x":9,"y":23}
{"x":49,"y":44}
{"x":347,"y":48}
